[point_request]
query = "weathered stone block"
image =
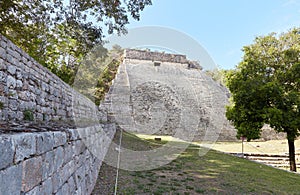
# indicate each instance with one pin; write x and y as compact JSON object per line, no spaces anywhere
{"x":32,"y":173}
{"x":20,"y":115}
{"x":3,"y":76}
{"x":12,"y":60}
{"x":72,"y":186}
{"x":78,"y":146}
{"x":58,"y":158}
{"x":35,"y":191}
{"x":73,"y":134}
{"x":79,"y":161}
{"x":12,"y":115}
{"x":48,"y":164}
{"x":46,"y":187}
{"x":79,"y":176}
{"x":39,"y":116}
{"x":11,"y":180}
{"x":56,"y":181}
{"x":44,"y":142}
{"x":19,"y":74}
{"x":13,"y":104}
{"x":2,"y":65}
{"x":60,"y":138}
{"x":25,"y":145}
{"x":6,"y":151}
{"x":19,"y":84}
{"x":69,"y":153}
{"x":64,"y":190}
{"x":11,"y":82}
{"x":11,"y":69}
{"x":64,"y":173}
{"x":2,"y":53}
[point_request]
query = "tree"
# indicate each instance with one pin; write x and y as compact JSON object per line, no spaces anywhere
{"x":57,"y":33}
{"x":97,"y":71}
{"x":266,"y":88}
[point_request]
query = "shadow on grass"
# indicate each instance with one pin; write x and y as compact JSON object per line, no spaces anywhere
{"x":212,"y":173}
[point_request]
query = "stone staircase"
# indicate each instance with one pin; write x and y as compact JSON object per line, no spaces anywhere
{"x":274,"y":160}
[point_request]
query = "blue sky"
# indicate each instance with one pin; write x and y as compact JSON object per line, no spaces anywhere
{"x":222,"y":27}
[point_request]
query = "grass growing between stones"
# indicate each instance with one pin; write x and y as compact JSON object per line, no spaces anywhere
{"x":190,"y":173}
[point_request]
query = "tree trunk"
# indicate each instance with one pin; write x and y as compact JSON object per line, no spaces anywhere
{"x":292,"y":155}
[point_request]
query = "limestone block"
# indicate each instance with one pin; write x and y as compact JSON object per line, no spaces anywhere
{"x":79,"y":176}
{"x":44,"y":142}
{"x":72,"y":186}
{"x":78,"y":146}
{"x":19,"y":84}
{"x":13,"y":104}
{"x":66,"y":171}
{"x":48,"y":164}
{"x":11,"y":69}
{"x":69,"y":153}
{"x":73,"y":134}
{"x":58,"y":158}
{"x":46,"y":187}
{"x":25,"y":145}
{"x":32,"y":173}
{"x":2,"y":64}
{"x":34,"y":191}
{"x":2,"y":53}
{"x":3,"y":76}
{"x":56,"y":181}
{"x":11,"y":82}
{"x":11,"y":180}
{"x":63,"y":190}
{"x":7,"y":151}
{"x":60,"y":138}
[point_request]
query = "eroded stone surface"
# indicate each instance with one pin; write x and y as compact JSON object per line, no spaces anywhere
{"x":11,"y":180}
{"x":6,"y":151}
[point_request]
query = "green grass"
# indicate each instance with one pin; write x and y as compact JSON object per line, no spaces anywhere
{"x":212,"y":173}
{"x":28,"y":115}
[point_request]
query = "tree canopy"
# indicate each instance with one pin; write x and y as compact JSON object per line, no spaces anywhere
{"x":265,"y":88}
{"x":58,"y":33}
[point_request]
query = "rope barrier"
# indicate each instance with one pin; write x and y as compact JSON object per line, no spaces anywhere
{"x":118,"y":163}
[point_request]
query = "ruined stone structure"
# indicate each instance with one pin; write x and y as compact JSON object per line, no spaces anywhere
{"x":160,"y":56}
{"x":44,"y":155}
{"x":166,"y":96}
{"x":61,"y":149}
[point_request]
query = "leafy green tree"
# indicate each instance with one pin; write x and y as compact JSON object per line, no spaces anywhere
{"x":108,"y":74}
{"x":266,"y":88}
{"x":57,"y":33}
{"x":97,"y":71}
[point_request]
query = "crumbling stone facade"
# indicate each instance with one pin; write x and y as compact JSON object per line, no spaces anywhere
{"x":174,"y":99}
{"x":160,"y":57}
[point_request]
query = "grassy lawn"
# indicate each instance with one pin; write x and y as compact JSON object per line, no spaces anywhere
{"x":213,"y":173}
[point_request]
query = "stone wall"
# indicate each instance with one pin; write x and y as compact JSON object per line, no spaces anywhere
{"x":26,"y":86}
{"x":53,"y":162}
{"x":61,"y":148}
